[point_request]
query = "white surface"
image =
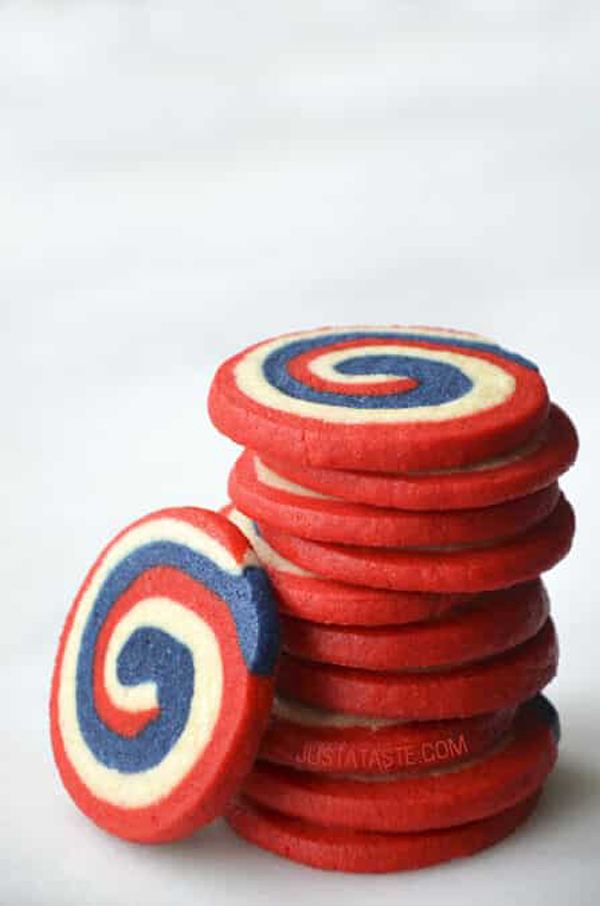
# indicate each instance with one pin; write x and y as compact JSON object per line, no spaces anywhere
{"x":180,"y":180}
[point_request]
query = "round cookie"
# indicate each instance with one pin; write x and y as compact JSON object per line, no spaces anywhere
{"x":499,"y":682}
{"x":262,"y":494}
{"x":163,"y":680}
{"x":338,"y":849}
{"x":327,"y":742}
{"x":534,"y":465}
{"x":380,"y":399}
{"x":510,"y":617}
{"x":306,"y":595}
{"x":451,"y":569}
{"x":401,"y":803}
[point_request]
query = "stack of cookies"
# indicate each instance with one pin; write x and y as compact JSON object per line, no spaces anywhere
{"x":399,"y":486}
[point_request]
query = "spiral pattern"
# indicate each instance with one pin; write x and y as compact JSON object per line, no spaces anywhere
{"x":393,"y":399}
{"x":373,"y":375}
{"x":140,"y":678}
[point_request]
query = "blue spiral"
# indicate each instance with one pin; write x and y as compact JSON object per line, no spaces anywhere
{"x":437,"y":382}
{"x":150,"y":654}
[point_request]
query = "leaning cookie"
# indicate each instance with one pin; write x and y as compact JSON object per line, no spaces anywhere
{"x":538,"y":462}
{"x":163,"y":681}
{"x":339,"y":849}
{"x":304,"y":594}
{"x":509,"y":617}
{"x":502,"y":681}
{"x":452,"y":569}
{"x":380,"y":399}
{"x":400,"y":803}
{"x":259,"y":492}
{"x":328,"y":742}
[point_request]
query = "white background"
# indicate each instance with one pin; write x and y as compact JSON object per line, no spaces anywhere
{"x":180,"y":180}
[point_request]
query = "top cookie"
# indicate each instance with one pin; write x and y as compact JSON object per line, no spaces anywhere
{"x":379,"y":399}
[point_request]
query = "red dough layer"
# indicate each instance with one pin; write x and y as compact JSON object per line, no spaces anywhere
{"x":499,"y":682}
{"x":538,"y":463}
{"x":449,"y":570}
{"x":367,"y":851}
{"x":377,"y":748}
{"x":356,"y":523}
{"x":312,"y":597}
{"x":476,"y":790}
{"x":509,"y":617}
{"x":381,"y":446}
{"x":329,"y":601}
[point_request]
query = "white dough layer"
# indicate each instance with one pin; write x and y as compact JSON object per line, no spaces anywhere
{"x":279,"y":483}
{"x":267,"y":556}
{"x":298,"y":713}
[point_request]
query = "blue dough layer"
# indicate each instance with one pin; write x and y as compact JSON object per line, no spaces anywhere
{"x":548,"y":712}
{"x":437,"y":382}
{"x":153,"y":655}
